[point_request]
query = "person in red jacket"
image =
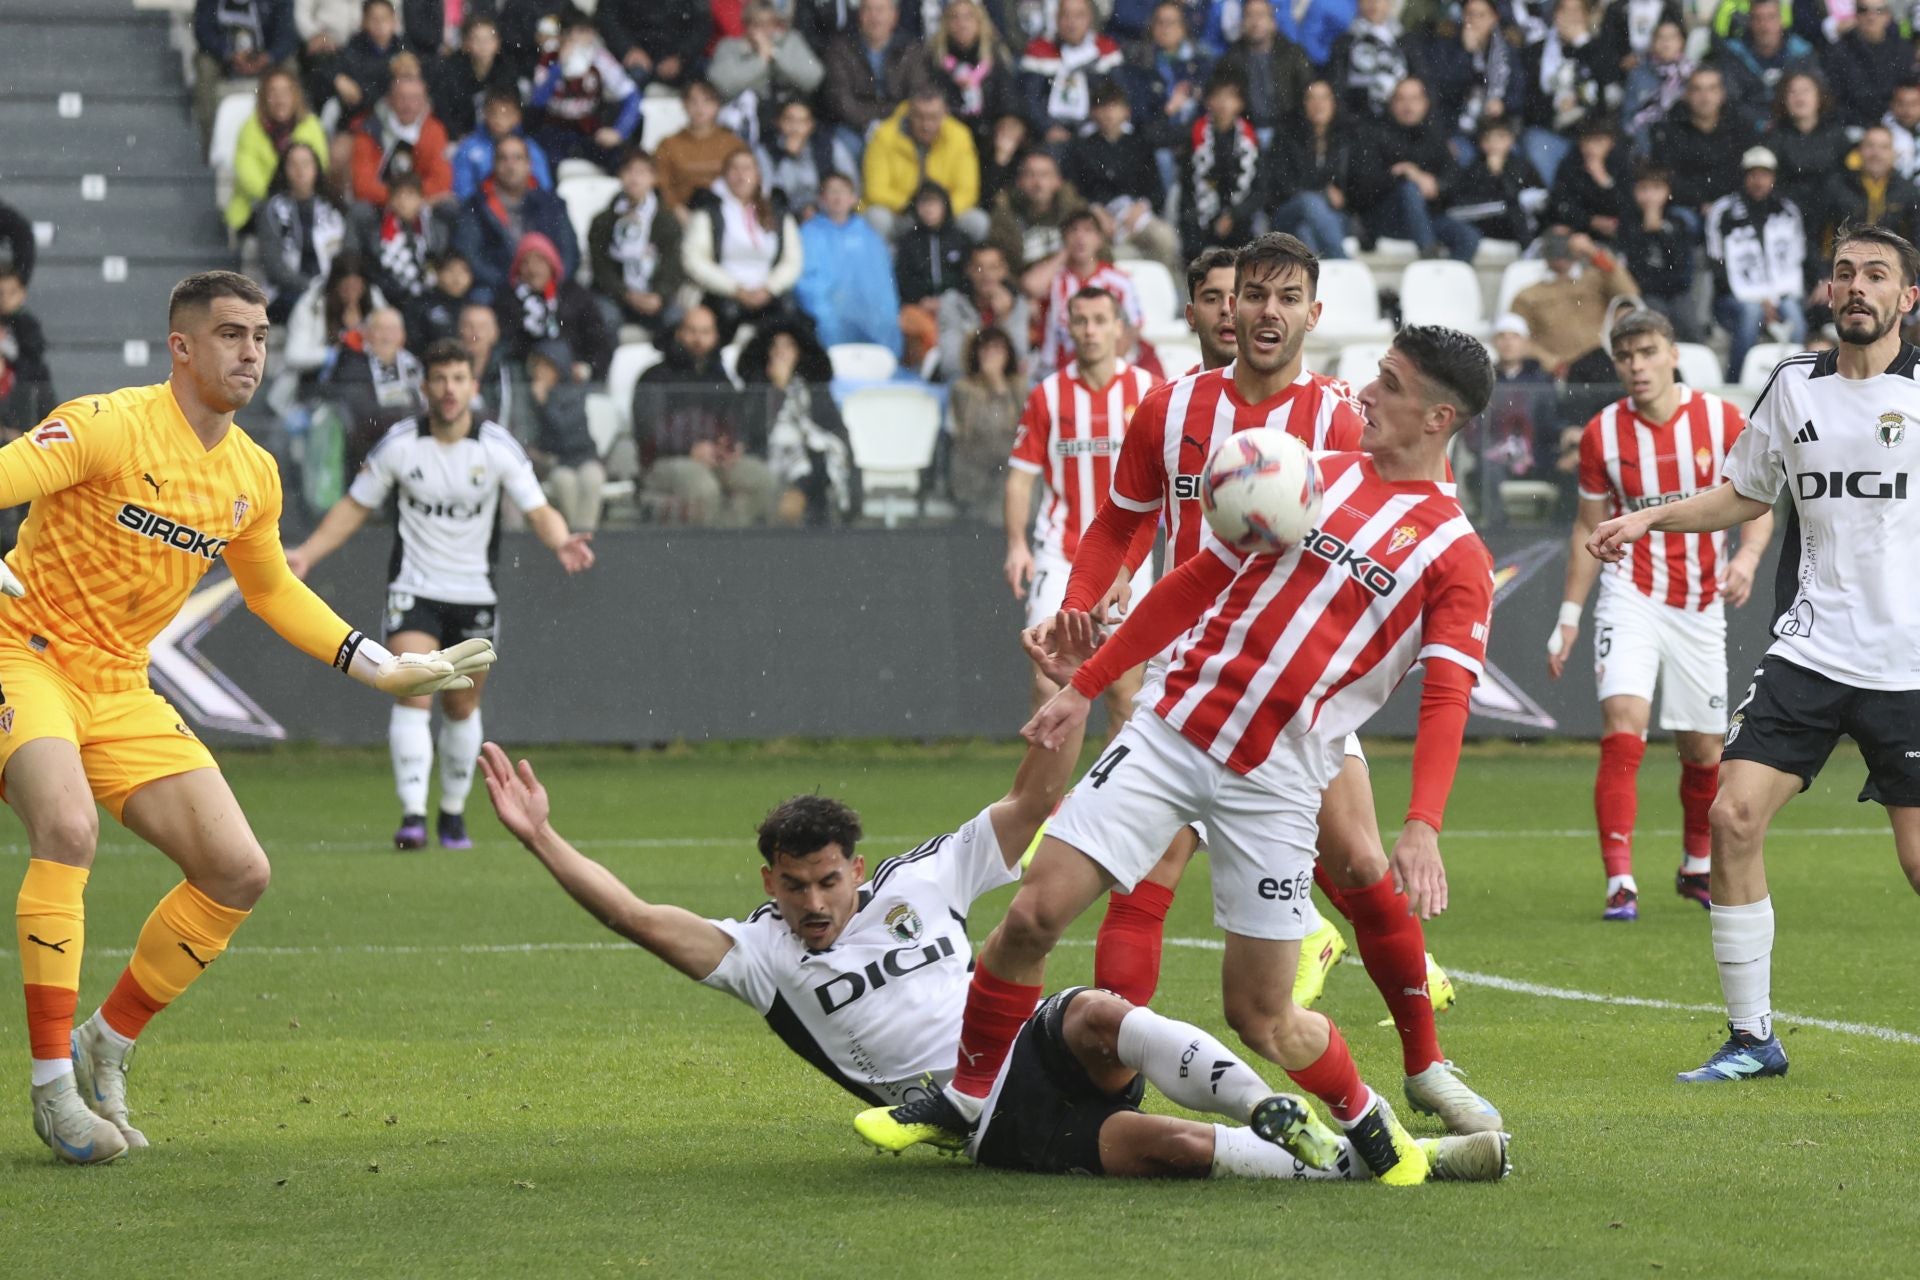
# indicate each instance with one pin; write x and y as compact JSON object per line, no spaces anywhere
{"x":401,"y":135}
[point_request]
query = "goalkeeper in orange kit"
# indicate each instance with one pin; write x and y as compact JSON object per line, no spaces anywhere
{"x":136,"y":494}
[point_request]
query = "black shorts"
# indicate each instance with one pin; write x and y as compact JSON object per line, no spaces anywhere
{"x":1047,"y":1114}
{"x":1791,"y":717}
{"x":447,"y":623}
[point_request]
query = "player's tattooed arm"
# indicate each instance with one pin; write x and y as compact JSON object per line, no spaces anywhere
{"x":692,"y":945}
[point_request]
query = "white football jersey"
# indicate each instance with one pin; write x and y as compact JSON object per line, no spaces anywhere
{"x":878,"y":1012}
{"x":1846,"y":451}
{"x":449,"y":506}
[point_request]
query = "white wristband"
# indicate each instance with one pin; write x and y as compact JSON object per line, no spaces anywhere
{"x":1570,"y":613}
{"x":360,"y":657}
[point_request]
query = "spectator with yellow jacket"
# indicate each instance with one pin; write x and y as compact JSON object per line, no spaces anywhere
{"x":922,"y":142}
{"x":280,"y":119}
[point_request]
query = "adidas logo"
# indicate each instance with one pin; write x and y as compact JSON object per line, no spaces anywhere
{"x":1220,"y":1069}
{"x":1807,"y":434}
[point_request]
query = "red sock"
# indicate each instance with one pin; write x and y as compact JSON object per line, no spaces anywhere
{"x":1616,"y":799}
{"x":1393,"y":946}
{"x":1126,"y":954}
{"x":128,"y":1008}
{"x":1334,"y":1079}
{"x":1698,"y":784}
{"x":996,"y":1010}
{"x":1333,"y":893}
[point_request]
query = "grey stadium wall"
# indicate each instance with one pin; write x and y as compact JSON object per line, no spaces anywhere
{"x":707,"y":635}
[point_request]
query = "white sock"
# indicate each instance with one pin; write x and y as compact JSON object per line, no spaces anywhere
{"x":966,"y":1104}
{"x":410,"y":738}
{"x":112,"y":1037}
{"x":1361,"y":1114}
{"x":1242,"y":1153}
{"x":1691,"y":866}
{"x":1743,"y":948}
{"x":459,"y":752}
{"x":1617,"y":883}
{"x":1189,"y":1066}
{"x":47,"y":1070}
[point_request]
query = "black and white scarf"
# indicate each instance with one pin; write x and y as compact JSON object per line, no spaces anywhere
{"x":403,"y":253}
{"x":539,"y":313}
{"x":323,"y":238}
{"x":633,"y":246}
{"x":797,"y":447}
{"x":1221,"y":181}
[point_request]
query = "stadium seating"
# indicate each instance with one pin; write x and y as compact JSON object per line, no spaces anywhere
{"x":1178,"y":358}
{"x":1699,"y":367}
{"x":1760,"y":362}
{"x":1442,"y":292}
{"x":1350,"y":306}
{"x":659,"y":118}
{"x":1359,"y":361}
{"x":585,"y":195}
{"x":227,"y":123}
{"x":862,"y":362}
{"x":630,"y":360}
{"x":1517,"y":276}
{"x":1161,"y":312}
{"x":606,"y":423}
{"x":893,"y":430}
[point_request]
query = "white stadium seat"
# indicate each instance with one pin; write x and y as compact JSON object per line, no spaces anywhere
{"x":1699,"y":367}
{"x":1760,"y":362}
{"x":862,"y":362}
{"x":585,"y":195}
{"x":1178,"y":359}
{"x":1442,"y":292}
{"x":1350,"y":305}
{"x":893,"y":430}
{"x":1161,"y":314}
{"x":1517,"y":276}
{"x":606,"y":423}
{"x":228,"y":120}
{"x":630,"y":360}
{"x":1359,"y":361}
{"x":660,"y":117}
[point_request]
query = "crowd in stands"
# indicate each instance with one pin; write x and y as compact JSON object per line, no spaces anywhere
{"x":936,"y":176}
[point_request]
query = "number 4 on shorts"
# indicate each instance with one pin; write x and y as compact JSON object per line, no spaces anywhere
{"x":1103,"y":767}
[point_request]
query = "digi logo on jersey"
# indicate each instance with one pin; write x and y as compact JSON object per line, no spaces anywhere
{"x":1362,"y":568}
{"x":841,"y":990}
{"x":151,"y":524}
{"x":445,"y":510}
{"x":1810,"y":485}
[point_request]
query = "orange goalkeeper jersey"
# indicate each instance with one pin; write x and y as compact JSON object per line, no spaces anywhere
{"x":129,"y":512}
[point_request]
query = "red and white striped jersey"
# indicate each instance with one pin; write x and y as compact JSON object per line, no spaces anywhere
{"x":1056,"y":341}
{"x":1633,"y":463}
{"x":1070,"y":436}
{"x":1161,"y":466}
{"x":1315,"y":640}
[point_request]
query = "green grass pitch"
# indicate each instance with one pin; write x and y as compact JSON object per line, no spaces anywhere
{"x":376,"y":1080}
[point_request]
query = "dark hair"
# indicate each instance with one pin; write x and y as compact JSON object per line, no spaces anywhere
{"x":987,"y":246}
{"x":345,"y":263}
{"x":472,"y":20}
{"x":1492,"y":124}
{"x":837,"y":176}
{"x":1108,"y":91}
{"x":1638,"y":324}
{"x":277,"y":184}
{"x":1454,"y":362}
{"x":1225,"y":78}
{"x":1272,"y":254}
{"x":636,"y":155}
{"x":1867,"y":233}
{"x":445,"y":351}
{"x":1077,"y":217}
{"x":1653,"y":173}
{"x":407,"y":179}
{"x":927,"y":92}
{"x":197,"y":293}
{"x":1209,"y":261}
{"x":1596,"y":125}
{"x":704,"y":86}
{"x":502,"y":95}
{"x":805,"y":825}
{"x":994,"y":335}
{"x":1090,"y":293}
{"x":377,"y":4}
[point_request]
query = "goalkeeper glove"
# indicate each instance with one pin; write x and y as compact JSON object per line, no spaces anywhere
{"x":412,"y":675}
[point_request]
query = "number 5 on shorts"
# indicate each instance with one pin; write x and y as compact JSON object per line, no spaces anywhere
{"x":1103,"y":767}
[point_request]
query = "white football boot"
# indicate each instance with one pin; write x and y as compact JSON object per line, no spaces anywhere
{"x":76,"y":1134}
{"x":100,"y":1069}
{"x":1439,"y":1091}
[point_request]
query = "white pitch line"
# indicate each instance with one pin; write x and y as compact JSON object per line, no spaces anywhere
{"x":1467,"y":977}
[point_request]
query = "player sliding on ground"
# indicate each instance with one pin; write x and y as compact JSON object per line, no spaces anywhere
{"x":1660,"y":614}
{"x":1280,"y":658}
{"x":1839,"y":432}
{"x":1252,"y":311}
{"x":449,"y":469}
{"x":865,"y":978}
{"x":136,"y":494}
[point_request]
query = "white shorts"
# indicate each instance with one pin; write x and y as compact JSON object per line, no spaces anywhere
{"x":1048,"y":590}
{"x":1151,"y":782}
{"x":1637,"y":641}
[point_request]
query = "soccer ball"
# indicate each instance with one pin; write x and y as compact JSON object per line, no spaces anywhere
{"x":1261,"y":491}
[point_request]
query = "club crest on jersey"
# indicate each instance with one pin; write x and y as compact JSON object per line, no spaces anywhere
{"x":1891,"y":430}
{"x":240,"y":506}
{"x":903,"y":924}
{"x":1403,"y":537}
{"x":6,"y":720}
{"x":1703,"y":460}
{"x":51,"y":432}
{"x":478,"y":475}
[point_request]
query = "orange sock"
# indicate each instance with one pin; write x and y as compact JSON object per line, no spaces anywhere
{"x":50,"y":920}
{"x":186,"y":933}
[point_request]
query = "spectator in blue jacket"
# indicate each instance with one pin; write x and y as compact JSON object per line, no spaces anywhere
{"x":1165,"y":73}
{"x":586,"y":104}
{"x":846,"y":276}
{"x":504,"y":209}
{"x":237,"y":39}
{"x":473,"y":155}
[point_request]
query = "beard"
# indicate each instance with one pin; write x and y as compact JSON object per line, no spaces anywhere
{"x":1863,"y":331}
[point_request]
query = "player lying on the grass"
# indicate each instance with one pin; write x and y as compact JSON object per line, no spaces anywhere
{"x":1660,"y":614}
{"x":865,"y":979}
{"x":449,"y":469}
{"x":136,"y":494}
{"x":1280,"y":657}
{"x":1839,"y":432}
{"x":1253,"y":310}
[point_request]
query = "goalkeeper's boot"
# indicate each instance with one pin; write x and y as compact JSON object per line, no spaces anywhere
{"x":930,"y":1118}
{"x":1473,"y":1157}
{"x":1439,"y":1091}
{"x":1288,"y":1122}
{"x":1744,"y":1056}
{"x":1388,"y":1150}
{"x":1623,"y":905}
{"x":412,"y":833}
{"x":100,"y":1070}
{"x":1693,"y":887}
{"x":1319,"y":952}
{"x":451,"y":829}
{"x":76,"y":1135}
{"x":1439,"y":986}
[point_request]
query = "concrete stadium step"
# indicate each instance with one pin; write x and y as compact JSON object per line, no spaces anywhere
{"x":50,"y":49}
{"x":84,"y":368}
{"x":107,"y":134}
{"x":166,"y":217}
{"x":77,"y":303}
